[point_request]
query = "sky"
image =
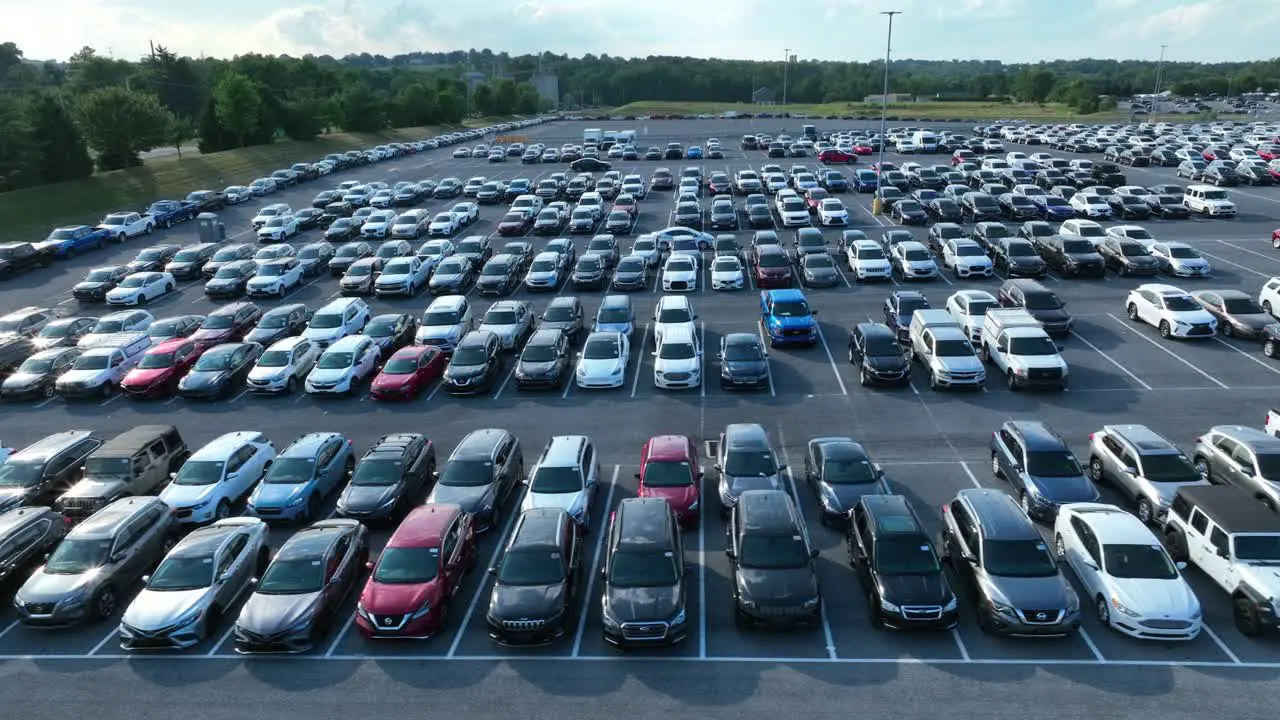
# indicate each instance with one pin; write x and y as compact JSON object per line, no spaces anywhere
{"x":1006,"y":30}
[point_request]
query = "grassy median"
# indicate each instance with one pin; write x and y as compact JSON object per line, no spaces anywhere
{"x":31,"y":212}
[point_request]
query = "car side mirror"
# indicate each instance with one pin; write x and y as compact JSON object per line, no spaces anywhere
{"x":782,"y":468}
{"x":493,"y":570}
{"x":226,"y":576}
{"x":813,"y":553}
{"x":1180,"y":565}
{"x":729,"y":553}
{"x":145,"y":579}
{"x":173,"y":475}
{"x":604,"y":572}
{"x":368,"y":565}
{"x":1222,"y":553}
{"x":1132,"y":471}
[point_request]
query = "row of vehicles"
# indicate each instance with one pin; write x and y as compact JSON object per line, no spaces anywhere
{"x":1006,"y":548}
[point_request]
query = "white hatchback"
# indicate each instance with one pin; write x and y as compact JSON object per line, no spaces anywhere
{"x":343,"y":366}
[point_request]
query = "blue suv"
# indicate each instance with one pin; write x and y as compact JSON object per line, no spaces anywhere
{"x":300,"y":478}
{"x":787,"y":318}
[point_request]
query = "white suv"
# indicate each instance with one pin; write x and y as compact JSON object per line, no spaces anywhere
{"x":445,"y":321}
{"x":867,"y":260}
{"x":1269,"y":296}
{"x":969,"y":308}
{"x":283,"y":365}
{"x":218,"y":475}
{"x":336,"y":320}
{"x":1171,"y":310}
{"x":343,"y":366}
{"x":677,"y":364}
{"x":1208,"y":200}
{"x":565,"y":476}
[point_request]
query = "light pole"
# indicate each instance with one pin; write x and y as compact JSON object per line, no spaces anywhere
{"x":786,"y":63}
{"x":1159,"y":72}
{"x":884,"y":97}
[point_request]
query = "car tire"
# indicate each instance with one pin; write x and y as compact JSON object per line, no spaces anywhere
{"x":223,"y":511}
{"x":995,"y":466}
{"x":1247,"y":619}
{"x":1011,"y":381}
{"x":1132,"y":311}
{"x":1095,"y":470}
{"x":1103,"y":610}
{"x":1266,"y":305}
{"x":104,"y":602}
{"x":1146,"y":513}
{"x":1269,"y":349}
{"x":1165,"y":332}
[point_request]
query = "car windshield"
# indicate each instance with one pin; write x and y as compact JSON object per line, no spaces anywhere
{"x":470,"y":356}
{"x":631,"y":265}
{"x":870,"y":253}
{"x":679,"y":264}
{"x":293,"y":576}
{"x":1021,"y":250}
{"x":74,"y":556}
{"x":155,"y":361}
{"x":726,"y":264}
{"x":1183,"y":253}
{"x":1181,"y":303}
{"x":1269,"y":465}
{"x":450,"y":267}
{"x":539,"y":353}
{"x":407,"y":566}
{"x":228,"y":273}
{"x":183,"y":572}
{"x":1041,"y":345}
{"x":500,"y":317}
{"x":360,"y":270}
{"x":105,"y":326}
{"x":676,"y":351}
{"x":440,"y":317}
{"x":534,"y":566}
{"x":378,"y":471}
{"x":639,"y":568}
{"x":466,"y":473}
{"x":1258,"y":548}
{"x":916,"y":255}
{"x":36,"y":366}
{"x":1041,"y":301}
{"x":952,"y":348}
{"x":849,"y":472}
{"x":750,"y":464}
{"x":1053,"y":463}
{"x":556,"y":480}
{"x":543,"y":266}
{"x":1145,"y":562}
{"x":215,"y":361}
{"x":17,"y":473}
{"x":335,"y":360}
{"x":601,"y":348}
{"x":99,"y":275}
{"x":1077,"y":247}
{"x":818,"y":261}
{"x":791,"y":308}
{"x":1018,"y":558}
{"x":764,"y":551}
{"x":905,"y":554}
{"x":291,"y":471}
{"x":381,"y":327}
{"x":588,"y":263}
{"x":326,"y":321}
{"x":200,"y":472}
{"x":96,"y":361}
{"x":274,"y":270}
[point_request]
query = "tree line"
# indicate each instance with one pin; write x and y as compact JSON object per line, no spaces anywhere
{"x":61,"y":122}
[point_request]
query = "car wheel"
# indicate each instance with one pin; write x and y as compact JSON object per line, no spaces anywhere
{"x":223,"y":510}
{"x":1164,"y":329}
{"x":1104,"y":611}
{"x":1275,"y":242}
{"x":1133,"y":312}
{"x":1145,"y":512}
{"x":1202,"y":467}
{"x":995,"y":466}
{"x":1246,"y":616}
{"x":1095,"y":470}
{"x":103,"y":604}
{"x":873,"y":612}
{"x":1269,"y":349}
{"x":1012,"y":381}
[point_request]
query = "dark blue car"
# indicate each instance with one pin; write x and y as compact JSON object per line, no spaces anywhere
{"x":73,"y":239}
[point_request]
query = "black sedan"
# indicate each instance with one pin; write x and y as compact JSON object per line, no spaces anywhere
{"x":909,"y":212}
{"x":98,"y":282}
{"x":220,"y":371}
{"x":308,"y":218}
{"x":944,"y":209}
{"x":744,"y":362}
{"x":391,"y":332}
{"x":342,"y":229}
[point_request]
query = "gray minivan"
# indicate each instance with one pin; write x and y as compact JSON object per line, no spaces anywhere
{"x":745,"y":459}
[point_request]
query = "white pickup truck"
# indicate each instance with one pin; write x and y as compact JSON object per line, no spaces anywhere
{"x":1273,"y":422}
{"x":100,"y":369}
{"x":941,"y":346}
{"x":126,"y":225}
{"x":1016,"y":343}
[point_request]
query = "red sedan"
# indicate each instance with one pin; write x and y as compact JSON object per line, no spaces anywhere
{"x":863,"y":149}
{"x":835,"y":156}
{"x":408,"y":372}
{"x":161,"y":367}
{"x":515,"y":223}
{"x":772,"y":267}
{"x":814,"y":197}
{"x":419,"y":570}
{"x":1275,"y":238}
{"x":669,"y":469}
{"x":1269,"y":152}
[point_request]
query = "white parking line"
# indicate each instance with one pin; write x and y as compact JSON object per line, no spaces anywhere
{"x":1264,"y":256}
{"x":644,"y":342}
{"x":16,"y":623}
{"x":40,"y":405}
{"x":601,"y":535}
{"x":506,"y":379}
{"x":768,"y":364}
{"x":972,"y":478}
{"x":1259,"y":361}
{"x":111,"y":399}
{"x":831,"y":359}
{"x":702,"y":361}
{"x":222,"y":640}
{"x":702,"y":566}
{"x":240,"y":395}
{"x":1097,"y":654}
{"x":1221,"y":645}
{"x":1173,"y":355}
{"x":337,"y":639}
{"x":1109,"y":359}
{"x":512,"y":514}
{"x":115,"y":633}
{"x":1224,"y":261}
{"x":795,"y":496}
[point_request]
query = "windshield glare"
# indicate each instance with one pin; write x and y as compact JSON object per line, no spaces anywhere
{"x":1018,"y":558}
{"x":74,"y":556}
{"x":632,"y":569}
{"x":556,"y":480}
{"x":199,"y":472}
{"x":1053,"y":464}
{"x":1147,"y":562}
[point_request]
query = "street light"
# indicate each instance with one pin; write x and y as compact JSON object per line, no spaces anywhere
{"x":884,"y":97}
{"x":786,"y":63}
{"x":1159,"y":73}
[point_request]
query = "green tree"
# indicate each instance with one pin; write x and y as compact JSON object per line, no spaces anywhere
{"x":63,"y":152}
{"x":10,"y":57}
{"x":482,"y":99}
{"x":1034,"y":85}
{"x":362,"y":110}
{"x":238,"y":105}
{"x":178,"y":132}
{"x":303,"y":119}
{"x":210,"y":135}
{"x":527,"y":100}
{"x":453,"y":106}
{"x":119,"y":123}
{"x":504,"y":98}
{"x":416,"y":105}
{"x":19,"y":158}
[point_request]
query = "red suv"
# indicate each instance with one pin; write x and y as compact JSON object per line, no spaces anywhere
{"x":419,"y":570}
{"x":669,"y":470}
{"x":161,"y":367}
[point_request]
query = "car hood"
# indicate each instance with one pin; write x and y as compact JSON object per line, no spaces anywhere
{"x":638,"y":604}
{"x":123,"y":292}
{"x":1051,"y":316}
{"x":1192,"y":316}
{"x":143,"y":378}
{"x":1035,"y":593}
{"x":181,"y":496}
{"x":210,"y":337}
{"x":569,"y":502}
{"x":844,"y":496}
{"x":885,"y":363}
{"x":158,"y":609}
{"x":266,"y":614}
{"x":335,"y":375}
{"x":265,"y":336}
{"x":679,"y":497}
{"x":72,"y":376}
{"x":387,"y":279}
{"x":747,"y":367}
{"x":92,"y":285}
{"x":1162,"y":598}
{"x":777,"y":586}
{"x":277,"y":494}
{"x":537,"y":369}
{"x":203,"y":380}
{"x":95,"y":487}
{"x":470,"y":499}
{"x":440,"y":279}
{"x":365,"y":498}
{"x":385,"y":381}
{"x":791,"y":323}
{"x":1256,"y":322}
{"x":264,"y":280}
{"x":439,"y":331}
{"x":47,"y":587}
{"x":526,"y":602}
{"x":397,"y":598}
{"x":921,"y":589}
{"x":224,"y":282}
{"x":22,"y":380}
{"x":960,"y":363}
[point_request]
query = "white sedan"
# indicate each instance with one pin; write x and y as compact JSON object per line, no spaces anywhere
{"x":1135,"y":586}
{"x":680,"y":274}
{"x":966,"y":258}
{"x":832,"y":212}
{"x":603,"y":361}
{"x":1090,"y":205}
{"x":444,"y":224}
{"x":1136,"y":233}
{"x":278,"y":229}
{"x":1170,"y":310}
{"x":726,"y":273}
{"x":141,"y":287}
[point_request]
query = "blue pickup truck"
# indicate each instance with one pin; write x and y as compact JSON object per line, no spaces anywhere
{"x":787,"y":318}
{"x":166,"y":213}
{"x":72,"y":240}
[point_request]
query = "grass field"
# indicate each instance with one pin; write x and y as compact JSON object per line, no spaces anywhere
{"x":30,"y":213}
{"x":922,"y":110}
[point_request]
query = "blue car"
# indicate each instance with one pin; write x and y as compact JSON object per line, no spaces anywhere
{"x":693,"y":153}
{"x":300,"y":478}
{"x":1053,"y":207}
{"x":865,"y":181}
{"x":787,"y":318}
{"x":73,"y":239}
{"x":616,"y":314}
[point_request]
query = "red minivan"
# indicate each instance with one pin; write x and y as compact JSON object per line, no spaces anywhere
{"x":413,"y":578}
{"x":669,"y":470}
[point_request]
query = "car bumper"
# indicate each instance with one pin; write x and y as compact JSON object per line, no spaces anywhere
{"x":909,"y":619}
{"x":780,"y":616}
{"x":1142,"y":629}
{"x":247,"y":643}
{"x":191,"y":516}
{"x":796,"y":337}
{"x":677,"y":381}
{"x":540,"y":634}
{"x":948,"y":381}
{"x":641,"y":634}
{"x":413,"y":629}
{"x":985,"y":271}
{"x":600,"y":383}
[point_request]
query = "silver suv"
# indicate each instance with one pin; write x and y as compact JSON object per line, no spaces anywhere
{"x":1246,"y":457}
{"x":998,"y":551}
{"x":1143,"y":465}
{"x":100,"y":557}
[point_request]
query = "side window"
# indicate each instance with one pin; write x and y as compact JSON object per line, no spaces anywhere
{"x":1128,"y":460}
{"x":157,"y":449}
{"x":504,"y":452}
{"x":327,"y":453}
{"x":1111,"y":445}
{"x":1244,"y":458}
{"x":864,"y":531}
{"x":339,"y":553}
{"x":1199,"y":522}
{"x":1181,"y":507}
{"x":1226,"y":445}
{"x":450,"y":543}
{"x":239,"y":458}
{"x":129,"y":534}
{"x":588,"y":459}
{"x":233,"y":551}
{"x":968,"y":532}
{"x":9,"y":551}
{"x":1219,"y":539}
{"x":140,"y":462}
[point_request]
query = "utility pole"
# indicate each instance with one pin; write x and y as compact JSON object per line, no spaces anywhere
{"x":1159,"y":72}
{"x":884,"y":97}
{"x":786,"y":63}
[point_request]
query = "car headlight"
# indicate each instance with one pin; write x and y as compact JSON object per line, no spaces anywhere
{"x":811,"y":603}
{"x":422,"y":611}
{"x":1002,"y":608}
{"x":889,"y":607}
{"x":951,"y":605}
{"x":1115,"y":603}
{"x":202,"y":504}
{"x":1073,"y":603}
{"x":297,"y":501}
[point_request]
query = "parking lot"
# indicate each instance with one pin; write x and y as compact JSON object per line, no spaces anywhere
{"x":931,"y":444}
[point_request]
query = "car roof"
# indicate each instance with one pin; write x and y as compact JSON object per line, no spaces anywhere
{"x":644,"y":523}
{"x":768,"y":511}
{"x":788,"y":294}
{"x":1037,"y":435}
{"x":18,"y":517}
{"x":1162,"y":289}
{"x":1232,"y":508}
{"x":999,"y":515}
{"x":447,"y":302}
{"x":742,"y":338}
{"x":539,"y":527}
{"x":746,"y":436}
{"x":424,"y":526}
{"x":891,"y":515}
{"x":669,"y":447}
{"x":107,"y":521}
{"x":222,"y":446}
{"x":1113,"y":524}
{"x":478,"y":444}
{"x":840,"y":448}
{"x":1147,"y":441}
{"x":204,"y":541}
{"x":1255,"y":438}
{"x":310,"y":542}
{"x":308,"y":445}
{"x":349,"y":343}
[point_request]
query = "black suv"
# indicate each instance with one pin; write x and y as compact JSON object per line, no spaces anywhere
{"x":1071,"y":256}
{"x":278,"y":323}
{"x":535,"y":585}
{"x":590,"y":272}
{"x":27,"y":534}
{"x":1040,"y":301}
{"x":644,"y":571}
{"x":39,"y":473}
{"x":898,"y":567}
{"x":565,"y":313}
{"x":475,"y":363}
{"x":1017,"y":258}
{"x":1039,"y":467}
{"x":874,"y":350}
{"x":481,"y":475}
{"x":390,"y":478}
{"x":775,"y":581}
{"x":840,"y":472}
{"x":544,"y":361}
